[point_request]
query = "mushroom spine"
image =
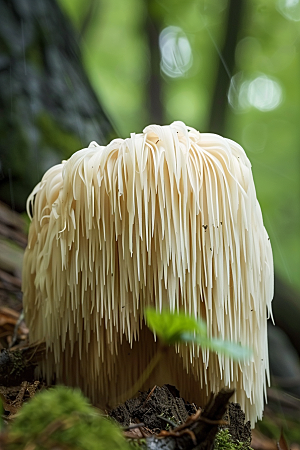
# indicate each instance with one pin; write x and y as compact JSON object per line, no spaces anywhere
{"x":167,"y":218}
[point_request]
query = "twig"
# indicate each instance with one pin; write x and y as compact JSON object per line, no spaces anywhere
{"x":173,"y":425}
{"x":199,"y":429}
{"x":132,"y":426}
{"x":148,"y":396}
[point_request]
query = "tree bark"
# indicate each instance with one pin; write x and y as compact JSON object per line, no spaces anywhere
{"x":226,"y":65}
{"x":154,"y":83}
{"x":48,"y":108}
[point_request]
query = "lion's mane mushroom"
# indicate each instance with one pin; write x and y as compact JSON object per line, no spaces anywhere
{"x":168,"y":218}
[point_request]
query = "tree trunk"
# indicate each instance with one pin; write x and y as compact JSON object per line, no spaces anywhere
{"x":48,"y":107}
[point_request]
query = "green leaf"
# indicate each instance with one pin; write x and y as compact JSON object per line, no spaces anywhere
{"x":177,"y":327}
{"x":227,"y":348}
{"x":170,"y":327}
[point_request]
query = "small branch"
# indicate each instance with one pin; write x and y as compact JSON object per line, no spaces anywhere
{"x":133,"y":426}
{"x":198,"y":431}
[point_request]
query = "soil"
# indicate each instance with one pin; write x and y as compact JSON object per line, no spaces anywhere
{"x":155,"y":408}
{"x":238,"y":428}
{"x":161,"y":408}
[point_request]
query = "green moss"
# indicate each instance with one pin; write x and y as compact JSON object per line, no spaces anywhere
{"x":224,"y":441}
{"x":63,"y":417}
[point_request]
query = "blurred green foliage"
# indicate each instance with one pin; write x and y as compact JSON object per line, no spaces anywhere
{"x":53,"y":135}
{"x":264,"y":108}
{"x":272,"y":425}
{"x":176,"y":327}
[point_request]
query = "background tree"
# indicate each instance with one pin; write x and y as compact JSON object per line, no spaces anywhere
{"x":48,"y":108}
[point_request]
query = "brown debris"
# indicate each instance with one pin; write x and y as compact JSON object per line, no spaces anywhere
{"x":18,"y":364}
{"x":13,"y":397}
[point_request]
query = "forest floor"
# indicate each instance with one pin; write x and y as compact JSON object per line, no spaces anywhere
{"x":19,"y":386}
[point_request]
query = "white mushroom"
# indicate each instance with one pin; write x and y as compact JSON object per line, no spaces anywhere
{"x":167,"y":218}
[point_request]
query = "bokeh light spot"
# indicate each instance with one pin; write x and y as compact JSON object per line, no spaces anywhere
{"x":262,"y":92}
{"x":176,"y":52}
{"x":290,"y":9}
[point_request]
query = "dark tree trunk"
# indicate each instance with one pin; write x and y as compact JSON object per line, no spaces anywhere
{"x":154,"y":101}
{"x":286,"y":309}
{"x":47,"y":105}
{"x":226,"y":66}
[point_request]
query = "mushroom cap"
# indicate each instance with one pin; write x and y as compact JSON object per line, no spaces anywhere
{"x":166,"y":218}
